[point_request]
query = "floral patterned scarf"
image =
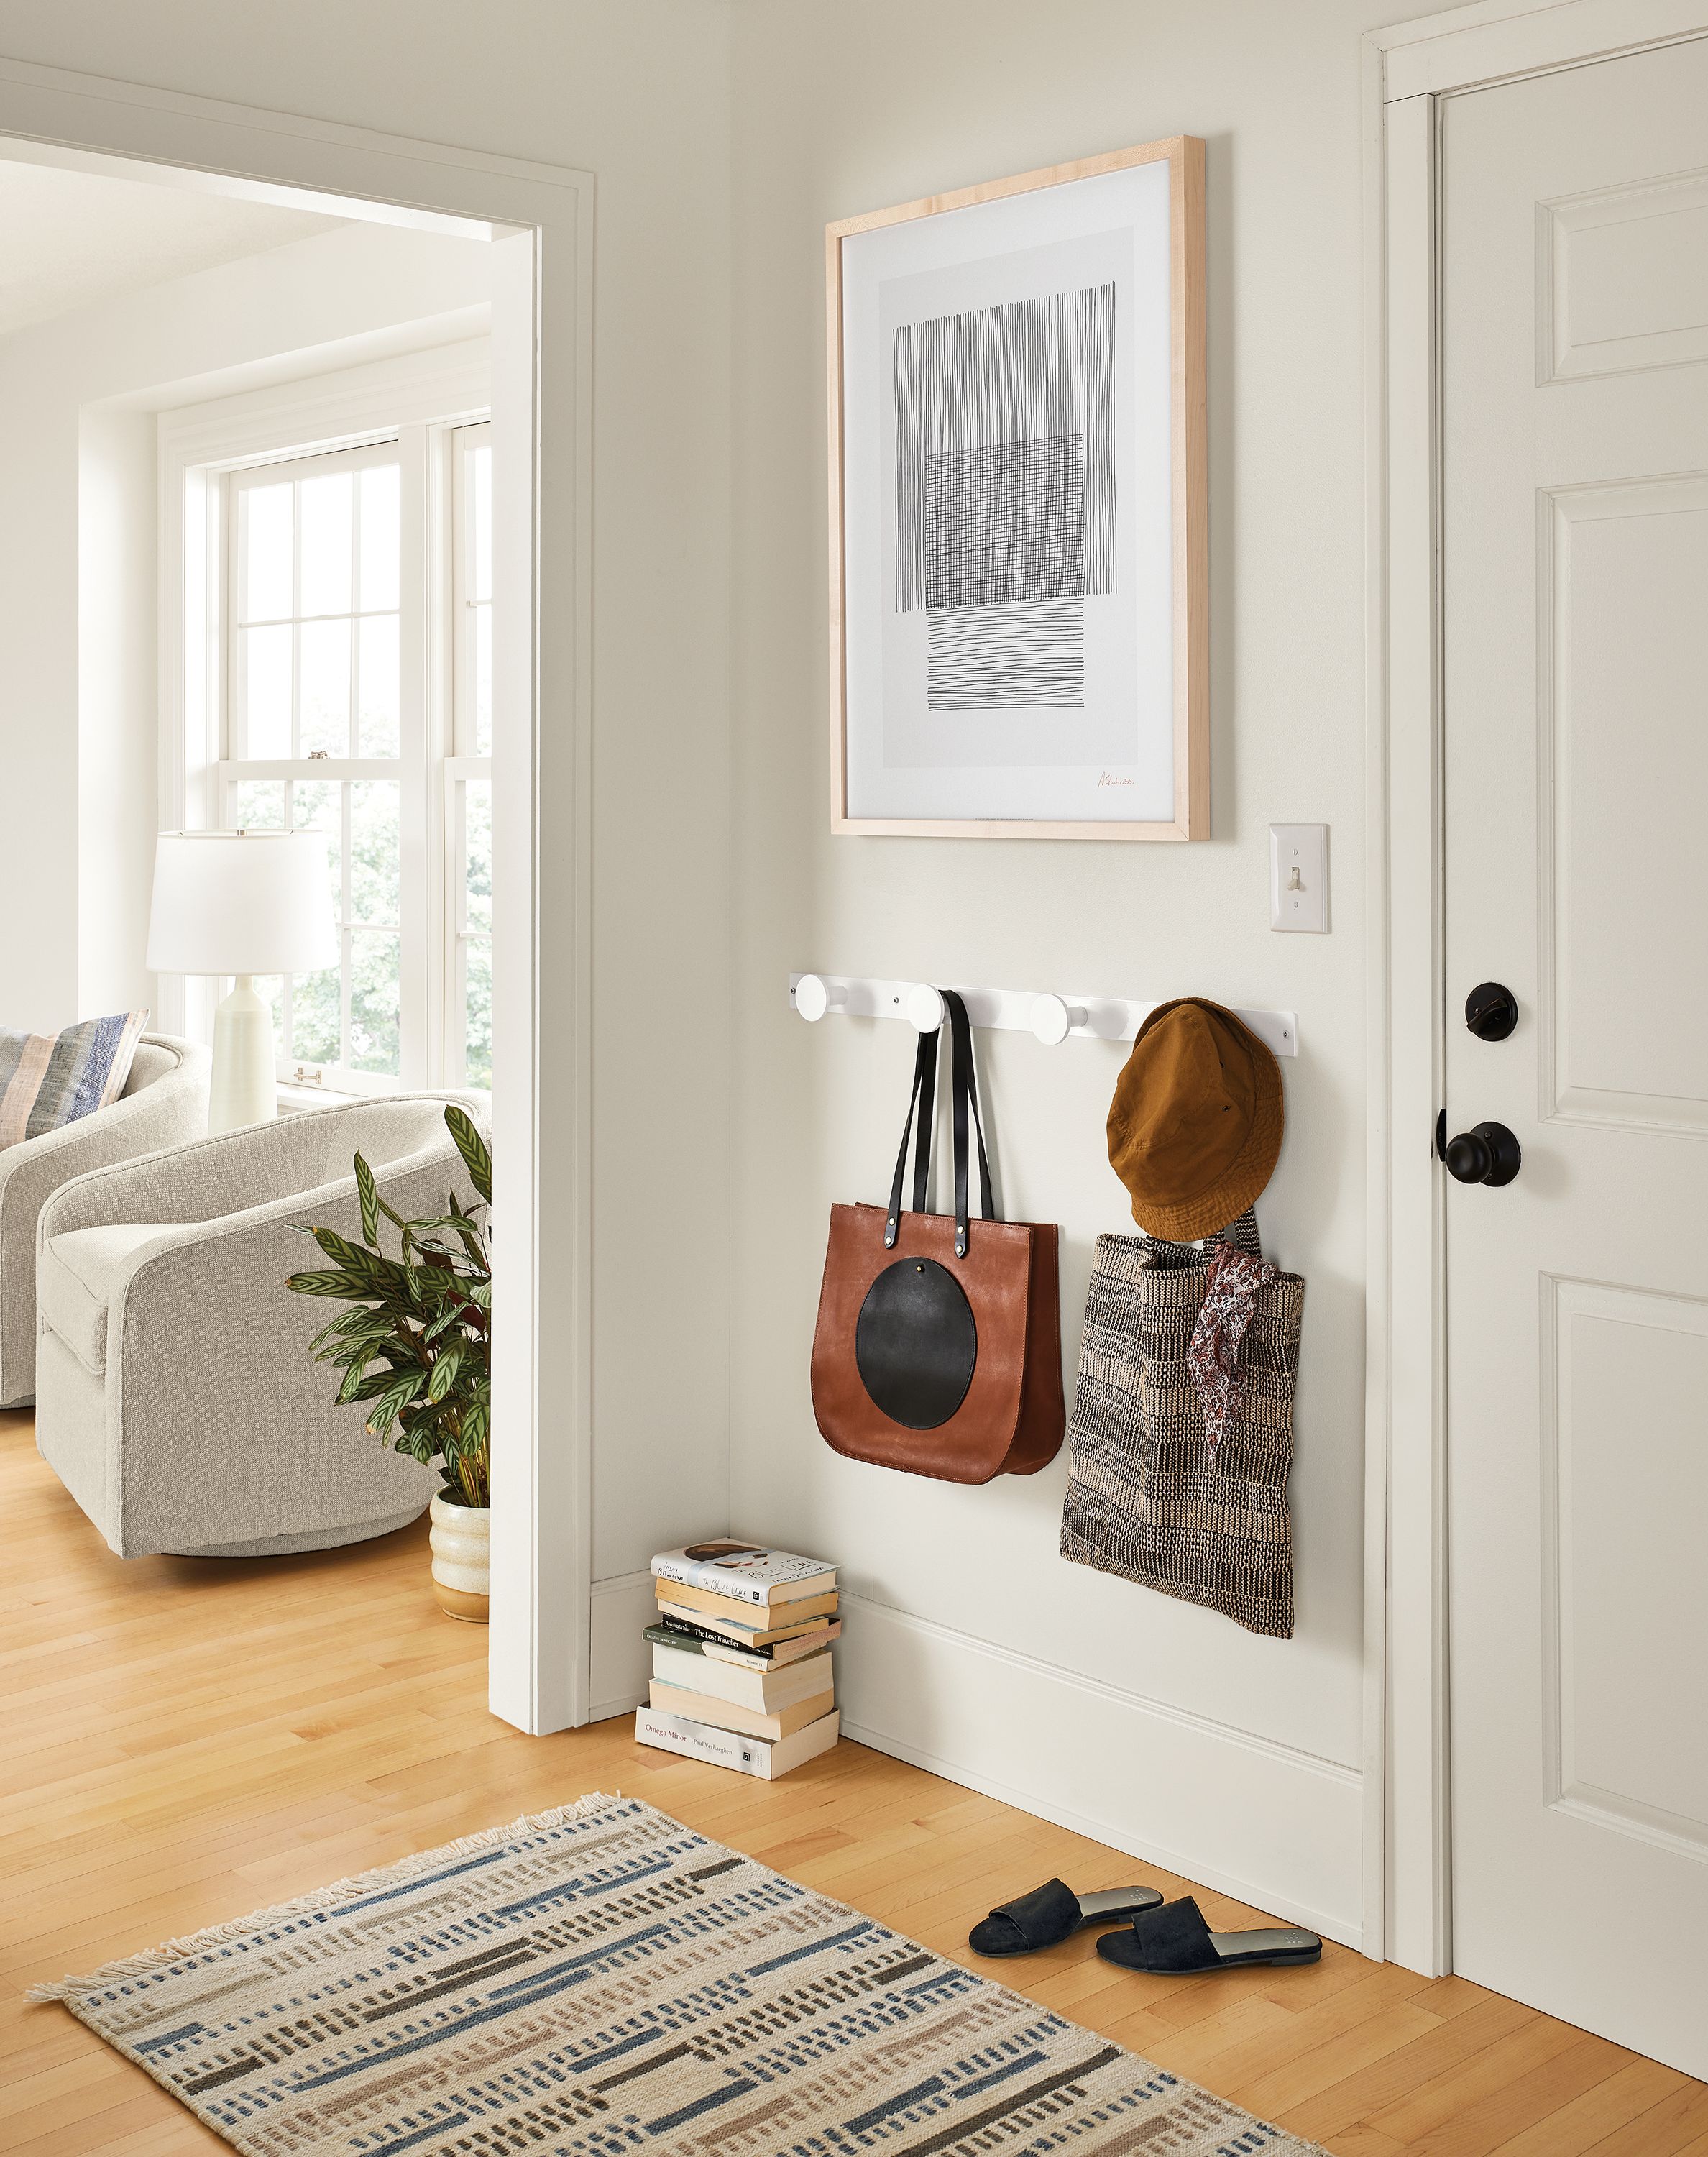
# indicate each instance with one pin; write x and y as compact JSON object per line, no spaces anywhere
{"x":1213,"y":1358}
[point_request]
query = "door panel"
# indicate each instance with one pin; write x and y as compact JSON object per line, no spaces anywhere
{"x":1626,"y":1363}
{"x":1624,"y":278}
{"x":1623,"y":717}
{"x":1575,"y":583}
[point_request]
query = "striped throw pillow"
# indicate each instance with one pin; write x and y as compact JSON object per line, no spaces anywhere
{"x":49,"y":1079}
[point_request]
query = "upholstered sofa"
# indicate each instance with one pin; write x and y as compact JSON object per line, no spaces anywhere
{"x":164,"y":1103}
{"x":176,"y":1398}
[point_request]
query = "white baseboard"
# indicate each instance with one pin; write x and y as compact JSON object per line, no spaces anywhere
{"x":1276,"y":1827}
{"x":621,"y":1656}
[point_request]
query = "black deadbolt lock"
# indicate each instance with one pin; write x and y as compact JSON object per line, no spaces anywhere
{"x":1487,"y":1153}
{"x":1491,"y":1011}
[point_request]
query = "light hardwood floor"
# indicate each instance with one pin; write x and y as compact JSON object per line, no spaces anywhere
{"x":182,"y":1742}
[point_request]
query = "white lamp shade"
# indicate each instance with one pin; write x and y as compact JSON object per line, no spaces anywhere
{"x":241,"y":902}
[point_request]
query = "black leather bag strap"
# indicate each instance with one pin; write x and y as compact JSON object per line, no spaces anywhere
{"x":963,"y":1087}
{"x":924,"y":1104}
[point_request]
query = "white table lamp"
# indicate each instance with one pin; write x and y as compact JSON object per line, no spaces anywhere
{"x":241,"y":902}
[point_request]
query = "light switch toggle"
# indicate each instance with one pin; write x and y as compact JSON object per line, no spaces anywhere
{"x":1298,"y":877}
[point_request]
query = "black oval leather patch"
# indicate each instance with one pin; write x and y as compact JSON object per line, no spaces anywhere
{"x":915,"y":1342}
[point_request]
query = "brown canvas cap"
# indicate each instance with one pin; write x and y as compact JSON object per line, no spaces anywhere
{"x":1194,"y":1127}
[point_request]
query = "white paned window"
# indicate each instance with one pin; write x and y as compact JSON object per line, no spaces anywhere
{"x":352,"y":642}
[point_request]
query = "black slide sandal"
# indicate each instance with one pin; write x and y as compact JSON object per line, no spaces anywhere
{"x":1052,"y":1912}
{"x":1175,"y":1942}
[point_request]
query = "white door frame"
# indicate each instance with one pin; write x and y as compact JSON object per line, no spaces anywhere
{"x":1409,"y":70}
{"x":541,"y":217}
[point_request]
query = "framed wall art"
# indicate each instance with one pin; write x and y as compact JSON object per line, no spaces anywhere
{"x":1019,"y":567}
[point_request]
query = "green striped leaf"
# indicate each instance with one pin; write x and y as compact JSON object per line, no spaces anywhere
{"x":396,"y":1396}
{"x":472,"y":1147}
{"x":326,"y":1284}
{"x":369,"y":1198}
{"x":444,"y":1369}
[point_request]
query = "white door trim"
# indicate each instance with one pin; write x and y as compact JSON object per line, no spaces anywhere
{"x":1409,"y":70}
{"x":541,"y":217}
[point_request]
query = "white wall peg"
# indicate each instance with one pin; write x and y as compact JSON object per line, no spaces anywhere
{"x":1052,"y":1020}
{"x":814,"y":996}
{"x":1049,"y":1017}
{"x":925,"y":1008}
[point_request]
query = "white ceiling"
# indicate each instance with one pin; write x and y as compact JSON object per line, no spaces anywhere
{"x":68,"y":239}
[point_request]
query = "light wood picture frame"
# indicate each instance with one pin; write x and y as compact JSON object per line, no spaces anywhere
{"x":1019,"y":557}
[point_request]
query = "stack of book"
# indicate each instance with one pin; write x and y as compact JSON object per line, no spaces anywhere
{"x":741,"y":1657}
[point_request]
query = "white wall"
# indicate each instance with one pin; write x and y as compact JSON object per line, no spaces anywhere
{"x":638,"y":94}
{"x":118,"y":613}
{"x":971,"y":1643}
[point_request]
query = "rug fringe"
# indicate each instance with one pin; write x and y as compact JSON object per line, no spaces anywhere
{"x":318,"y":1898}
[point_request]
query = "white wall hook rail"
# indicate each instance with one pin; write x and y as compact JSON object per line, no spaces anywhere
{"x":1050,"y":1018}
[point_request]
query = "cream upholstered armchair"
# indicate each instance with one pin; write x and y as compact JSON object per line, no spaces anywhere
{"x":165,"y":1102}
{"x":176,"y":1399}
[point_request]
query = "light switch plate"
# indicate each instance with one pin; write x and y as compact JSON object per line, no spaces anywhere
{"x":1298,"y":877}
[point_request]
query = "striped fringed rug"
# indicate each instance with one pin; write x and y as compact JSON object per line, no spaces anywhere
{"x":602,"y":1980}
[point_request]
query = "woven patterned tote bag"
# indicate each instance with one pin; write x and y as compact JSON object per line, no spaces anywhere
{"x":1144,"y":1499}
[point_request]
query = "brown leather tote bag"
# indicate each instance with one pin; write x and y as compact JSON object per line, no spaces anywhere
{"x":939,"y":1346}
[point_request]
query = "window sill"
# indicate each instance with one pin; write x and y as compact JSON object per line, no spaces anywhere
{"x":294,"y":1099}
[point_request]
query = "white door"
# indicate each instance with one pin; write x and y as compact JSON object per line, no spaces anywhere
{"x":1575,"y":470}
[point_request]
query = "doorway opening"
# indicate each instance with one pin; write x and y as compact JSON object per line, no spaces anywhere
{"x":353,"y":478}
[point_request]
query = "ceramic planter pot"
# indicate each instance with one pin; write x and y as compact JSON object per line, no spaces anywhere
{"x":461,"y":1539}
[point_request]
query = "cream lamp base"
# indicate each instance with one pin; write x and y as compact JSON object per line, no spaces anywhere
{"x":246,"y":1086}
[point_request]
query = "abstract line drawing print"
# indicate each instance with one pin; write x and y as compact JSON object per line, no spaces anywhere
{"x":1029,"y":657}
{"x":1005,"y":495}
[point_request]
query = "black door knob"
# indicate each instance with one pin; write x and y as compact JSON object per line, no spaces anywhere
{"x":1491,"y":1011}
{"x":1487,"y":1153}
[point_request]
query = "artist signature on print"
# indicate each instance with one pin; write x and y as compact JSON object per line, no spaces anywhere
{"x":1111,"y":778}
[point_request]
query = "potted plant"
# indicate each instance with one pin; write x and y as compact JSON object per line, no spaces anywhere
{"x":416,"y":1344}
